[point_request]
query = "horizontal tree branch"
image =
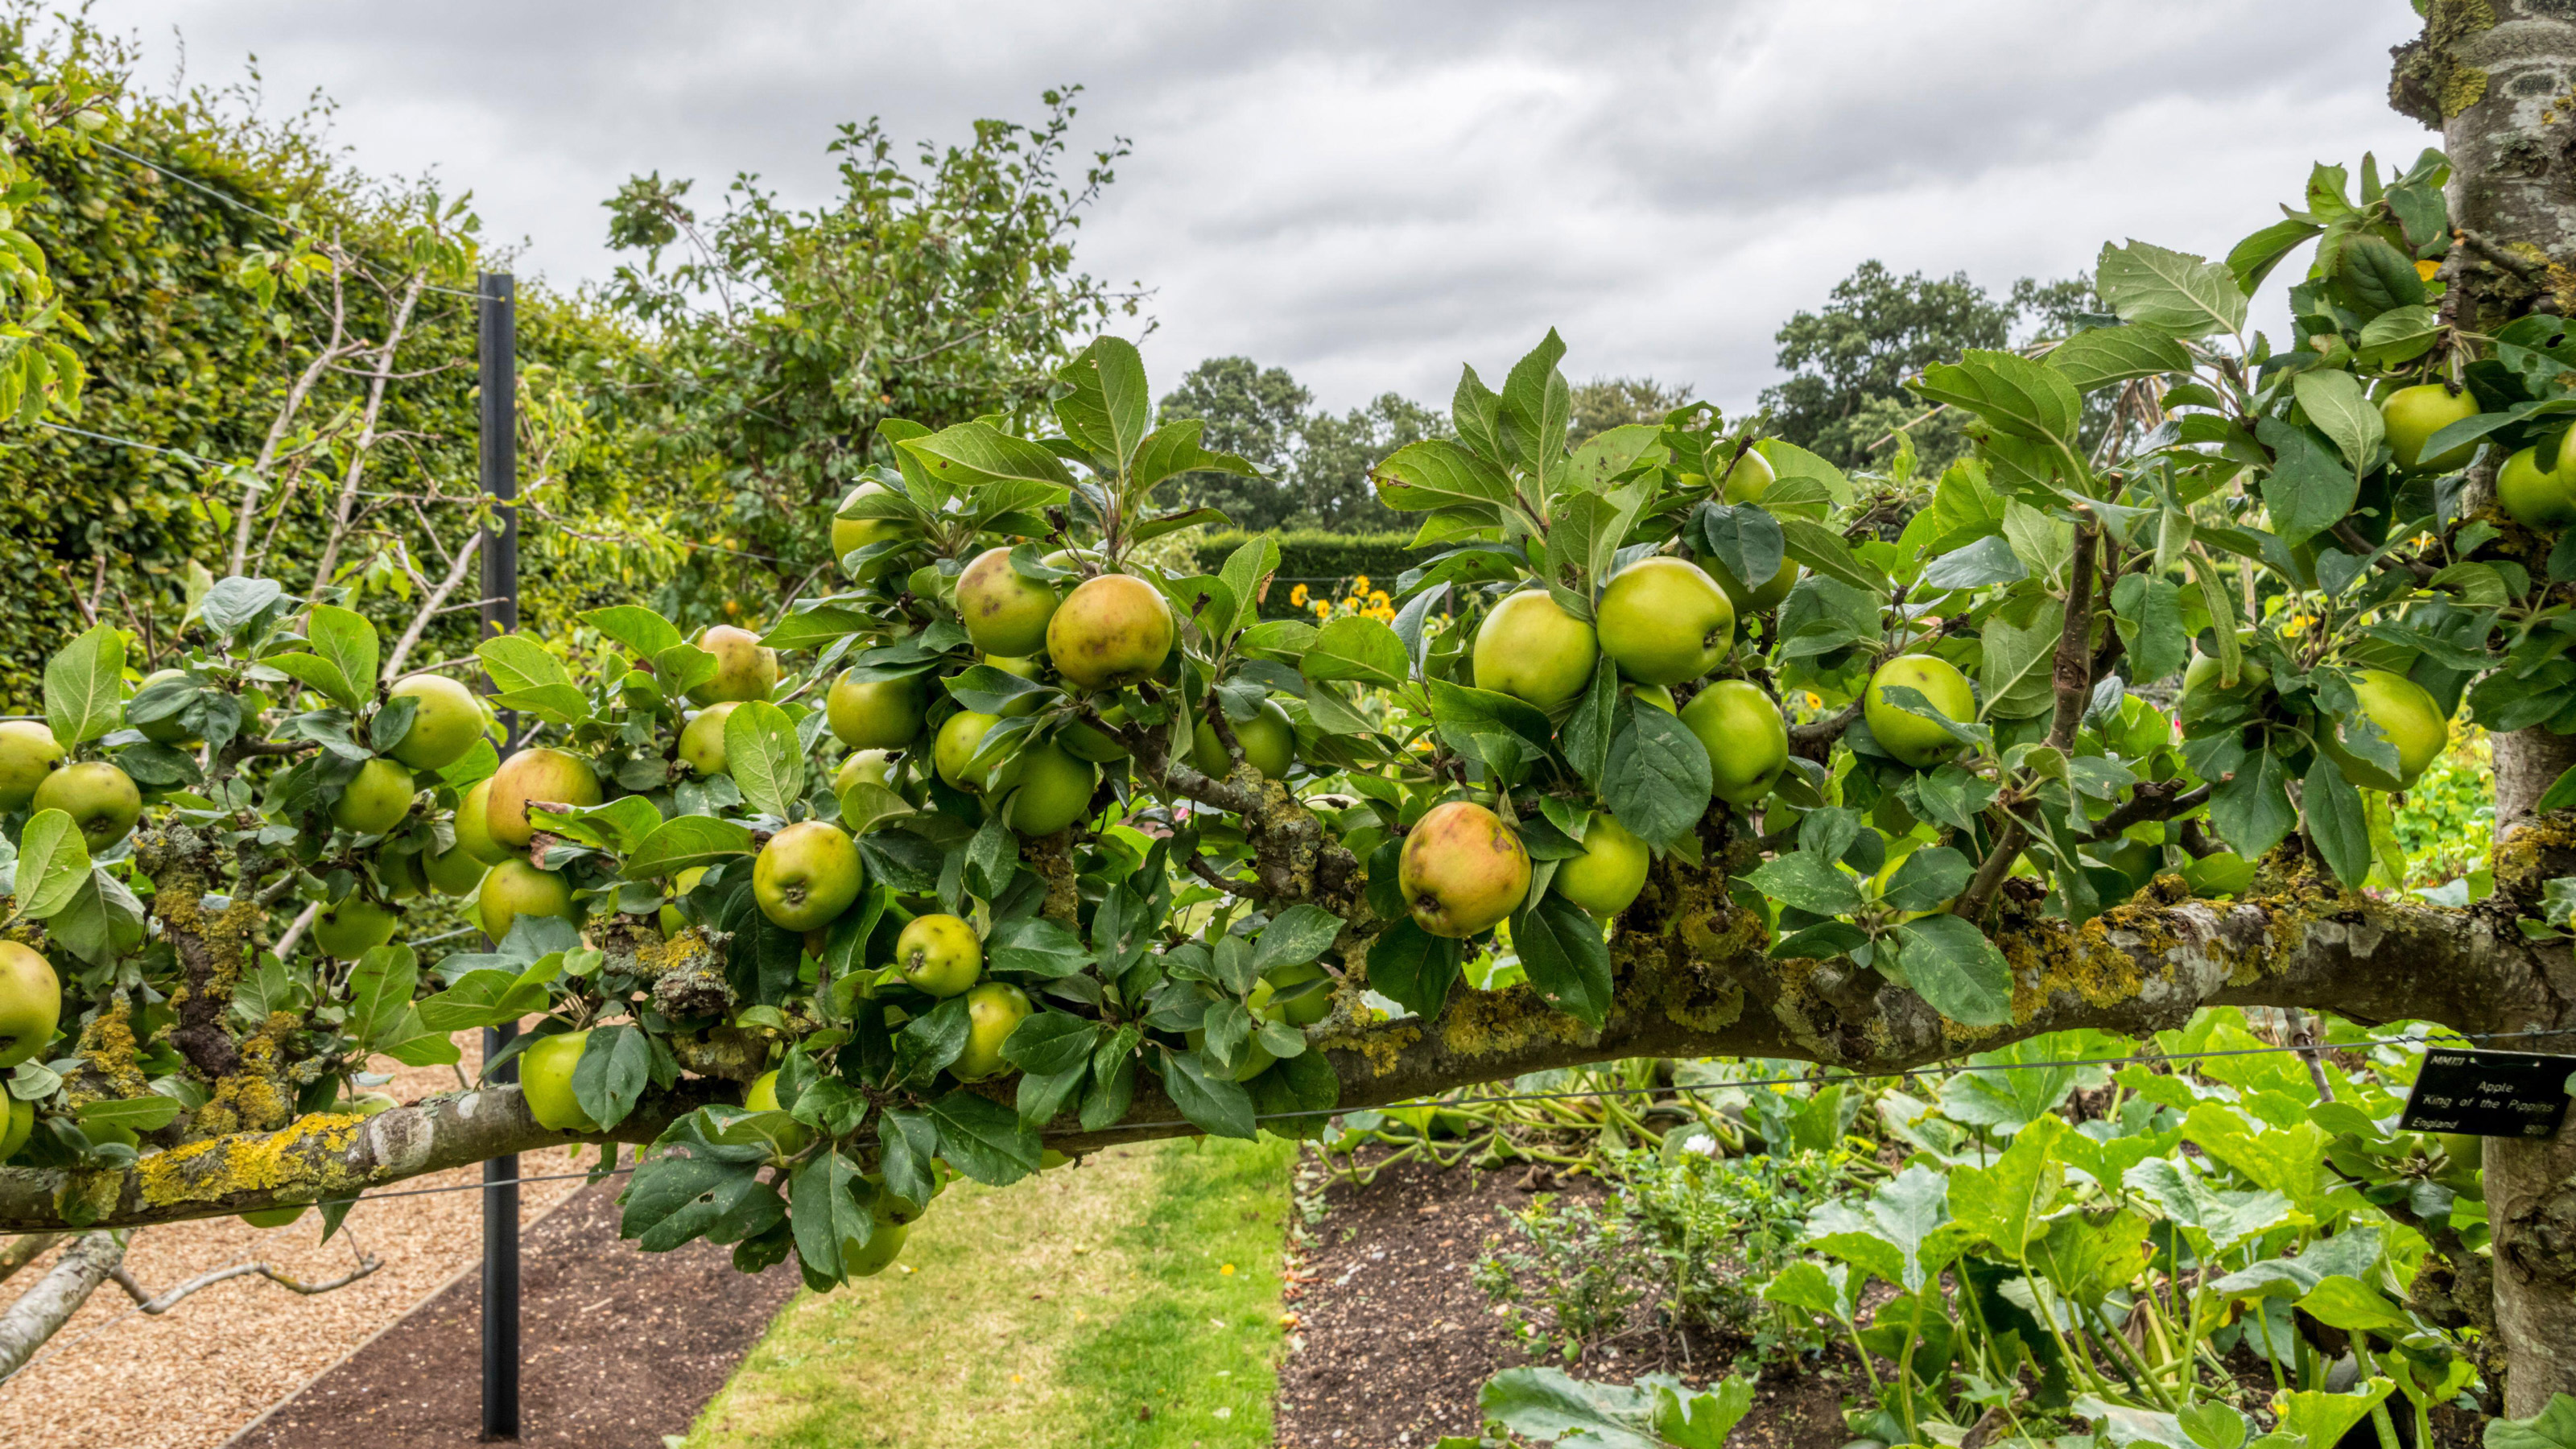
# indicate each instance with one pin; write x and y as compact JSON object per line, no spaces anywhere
{"x":1693,"y":980}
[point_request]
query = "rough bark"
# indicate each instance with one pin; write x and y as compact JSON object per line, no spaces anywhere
{"x":1692,"y":981}
{"x":2492,"y":75}
{"x":42,"y":1310}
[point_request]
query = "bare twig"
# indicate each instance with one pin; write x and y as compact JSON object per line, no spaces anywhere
{"x":364,"y":444}
{"x":18,"y":1252}
{"x":429,"y":607}
{"x":147,"y":1303}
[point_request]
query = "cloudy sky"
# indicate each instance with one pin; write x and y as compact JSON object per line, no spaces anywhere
{"x":1371,"y":193}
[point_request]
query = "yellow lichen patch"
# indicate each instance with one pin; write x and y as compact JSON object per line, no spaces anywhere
{"x":1490,"y":1023}
{"x":107,"y":1051}
{"x":307,"y":1156}
{"x":1381,"y":1046}
{"x":2047,"y":957}
{"x":2532,"y":853}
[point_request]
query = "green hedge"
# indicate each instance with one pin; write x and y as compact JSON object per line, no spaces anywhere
{"x":183,"y":357}
{"x":1321,"y":561}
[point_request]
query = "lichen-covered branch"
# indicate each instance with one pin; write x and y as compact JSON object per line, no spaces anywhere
{"x":1693,"y":980}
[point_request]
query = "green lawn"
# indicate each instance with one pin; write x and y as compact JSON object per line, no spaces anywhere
{"x":1132,"y":1300}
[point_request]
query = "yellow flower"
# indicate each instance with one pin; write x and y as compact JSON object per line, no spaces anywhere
{"x":1815,"y":700}
{"x":1379,"y":598}
{"x":1323,"y":610}
{"x":1297,"y":597}
{"x":1360,"y":584}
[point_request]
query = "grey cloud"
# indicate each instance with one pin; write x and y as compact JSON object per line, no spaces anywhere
{"x":1371,"y":193}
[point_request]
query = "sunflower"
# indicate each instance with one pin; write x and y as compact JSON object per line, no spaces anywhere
{"x":1297,"y":597}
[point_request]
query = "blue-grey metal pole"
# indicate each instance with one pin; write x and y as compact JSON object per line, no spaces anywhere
{"x":496,"y":370}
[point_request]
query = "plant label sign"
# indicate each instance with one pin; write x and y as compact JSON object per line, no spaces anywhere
{"x":2489,"y":1094}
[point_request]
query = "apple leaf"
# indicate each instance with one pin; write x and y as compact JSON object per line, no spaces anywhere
{"x":85,"y":686}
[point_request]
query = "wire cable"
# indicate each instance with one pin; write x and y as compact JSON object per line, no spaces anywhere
{"x":281,"y":222}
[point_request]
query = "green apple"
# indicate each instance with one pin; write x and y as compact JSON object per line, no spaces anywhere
{"x":28,"y":753}
{"x":2407,"y":714}
{"x":31,"y":1004}
{"x":514,"y":888}
{"x":2537,"y":499}
{"x":1269,"y":743}
{"x":1026,"y":667}
{"x":884,"y":1245}
{"x":474,"y":826}
{"x":702,"y":740}
{"x":446,"y":725}
{"x":1755,"y":600}
{"x":851,"y":534}
{"x":100,"y":799}
{"x":762,"y":1096}
{"x":745,"y":669}
{"x":1609,"y":873}
{"x":884,"y":714}
{"x":1658,"y":695}
{"x":959,"y":738}
{"x":993,"y":1010}
{"x":165,"y":731}
{"x":376,"y":799}
{"x":1005,"y":612}
{"x":551,"y":776}
{"x":807,"y":874}
{"x":1461,"y":869}
{"x":2202,"y":673}
{"x":939,"y":954}
{"x":1089,"y":742}
{"x":1748,"y":478}
{"x":873,"y":767}
{"x":1531,"y":649}
{"x":400,"y":873}
{"x":1304,"y":1010}
{"x":1664,"y":620}
{"x":673,"y":920}
{"x":352,"y":928}
{"x":1256,"y":1057}
{"x":1908,"y":736}
{"x":545,"y":1079}
{"x":2411,"y":416}
{"x":1048,"y":790}
{"x":1110,"y":632}
{"x":276,"y":1217}
{"x":17,"y":1124}
{"x":1746,"y":739}
{"x":455,"y":871}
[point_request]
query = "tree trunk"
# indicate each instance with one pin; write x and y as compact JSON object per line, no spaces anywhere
{"x":2487,"y":74}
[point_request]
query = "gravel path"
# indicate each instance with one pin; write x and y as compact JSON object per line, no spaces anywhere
{"x":190,"y":1379}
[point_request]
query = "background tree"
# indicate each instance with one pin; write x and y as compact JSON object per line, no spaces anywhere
{"x":1848,"y":360}
{"x":1315,"y":464}
{"x":1255,"y":413}
{"x":936,"y":289}
{"x":1604,"y":403}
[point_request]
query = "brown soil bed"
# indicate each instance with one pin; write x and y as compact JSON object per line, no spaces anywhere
{"x":1393,"y":1338}
{"x":620,"y":1347}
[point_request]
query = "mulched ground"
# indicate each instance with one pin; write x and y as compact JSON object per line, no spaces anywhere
{"x":620,"y":1348}
{"x":1394,"y":1339}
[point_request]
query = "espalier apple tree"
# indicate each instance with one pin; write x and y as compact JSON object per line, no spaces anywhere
{"x":1017,"y":845}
